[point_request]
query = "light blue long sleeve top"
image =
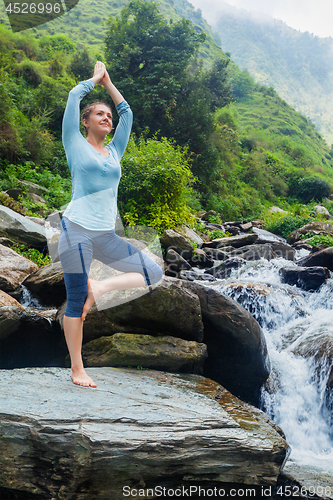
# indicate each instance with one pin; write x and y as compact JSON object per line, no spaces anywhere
{"x":95,"y":179}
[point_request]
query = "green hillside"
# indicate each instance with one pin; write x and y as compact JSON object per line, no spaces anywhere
{"x":85,"y":23}
{"x":298,"y":65}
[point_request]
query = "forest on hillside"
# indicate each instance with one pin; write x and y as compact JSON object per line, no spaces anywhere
{"x":204,"y":137}
{"x":298,"y":65}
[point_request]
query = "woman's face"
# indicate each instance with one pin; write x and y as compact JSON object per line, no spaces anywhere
{"x":99,"y":121}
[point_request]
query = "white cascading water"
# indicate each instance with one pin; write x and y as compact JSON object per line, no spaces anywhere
{"x":298,"y":327}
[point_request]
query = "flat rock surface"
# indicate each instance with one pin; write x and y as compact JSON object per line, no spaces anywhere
{"x":65,"y":441}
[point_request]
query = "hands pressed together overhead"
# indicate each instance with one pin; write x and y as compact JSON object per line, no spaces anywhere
{"x":101,"y":76}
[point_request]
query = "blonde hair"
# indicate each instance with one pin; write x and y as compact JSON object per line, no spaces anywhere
{"x":88,"y":109}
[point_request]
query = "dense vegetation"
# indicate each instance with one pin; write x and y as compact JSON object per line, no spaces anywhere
{"x":192,"y":148}
{"x":298,"y":65}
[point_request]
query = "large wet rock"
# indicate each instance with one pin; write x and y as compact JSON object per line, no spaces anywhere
{"x":175,"y":240}
{"x":235,"y":241}
{"x":307,"y":278}
{"x":323,"y":258}
{"x":237,"y":351}
{"x":13,"y":269}
{"x":21,"y":229}
{"x":175,"y":263}
{"x":224,"y":270}
{"x":161,"y":353}
{"x":254,"y":252}
{"x":47,"y":284}
{"x":189,"y":234}
{"x":11,"y":314}
{"x":136,"y":428}
{"x":170,"y":309}
{"x":318,"y":346}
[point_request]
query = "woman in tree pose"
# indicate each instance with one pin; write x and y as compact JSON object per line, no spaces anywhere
{"x":88,"y":224}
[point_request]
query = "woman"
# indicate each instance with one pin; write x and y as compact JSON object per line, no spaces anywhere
{"x":88,"y":224}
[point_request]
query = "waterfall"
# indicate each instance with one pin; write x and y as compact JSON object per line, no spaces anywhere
{"x":298,"y":327}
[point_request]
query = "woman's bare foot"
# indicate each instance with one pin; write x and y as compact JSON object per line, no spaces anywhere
{"x":80,"y":377}
{"x":92,"y":294}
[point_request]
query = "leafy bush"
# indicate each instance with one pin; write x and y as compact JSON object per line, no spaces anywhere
{"x":286,"y":224}
{"x":155,"y":184}
{"x":313,"y":188}
{"x":214,"y":219}
{"x":9,"y":202}
{"x":32,"y":254}
{"x":319,"y":239}
{"x":59,"y":188}
{"x":213,"y":235}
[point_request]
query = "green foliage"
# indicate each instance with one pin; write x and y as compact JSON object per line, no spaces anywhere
{"x":59,"y":188}
{"x":318,"y":239}
{"x":155,"y":65}
{"x":216,"y":233}
{"x":149,"y":59}
{"x":81,"y":65}
{"x":155,"y":184}
{"x":214,"y":219}
{"x":55,"y":43}
{"x":283,"y":225}
{"x":9,"y":202}
{"x":32,"y":254}
{"x":313,"y":188}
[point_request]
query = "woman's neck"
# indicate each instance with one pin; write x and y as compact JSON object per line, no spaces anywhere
{"x":96,"y":142}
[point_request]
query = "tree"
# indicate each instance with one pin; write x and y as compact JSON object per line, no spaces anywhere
{"x":148,"y":59}
{"x":154,"y":64}
{"x":81,"y":65}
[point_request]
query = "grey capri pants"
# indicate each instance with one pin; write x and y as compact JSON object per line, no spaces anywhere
{"x":78,"y":245}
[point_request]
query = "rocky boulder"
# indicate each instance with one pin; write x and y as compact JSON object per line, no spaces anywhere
{"x":323,"y":258}
{"x":169,"y":309}
{"x":237,"y":351}
{"x":200,"y":258}
{"x":161,"y":353}
{"x":176,"y":241}
{"x":33,"y":188}
{"x":194,"y":275}
{"x":189,"y":234}
{"x":254,"y":252}
{"x":307,"y":278}
{"x":224,"y":270}
{"x":175,"y":263}
{"x":136,"y":429}
{"x":11,"y":314}
{"x":13,"y":269}
{"x":235,"y":241}
{"x":47,"y":284}
{"x":20,"y":229}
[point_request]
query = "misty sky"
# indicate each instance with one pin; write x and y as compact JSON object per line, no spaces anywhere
{"x":315,"y":16}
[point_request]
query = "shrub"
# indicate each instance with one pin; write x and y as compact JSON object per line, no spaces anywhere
{"x":32,"y":254}
{"x":155,"y":184}
{"x":313,"y":188}
{"x":319,"y":239}
{"x":284,"y":225}
{"x":9,"y":202}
